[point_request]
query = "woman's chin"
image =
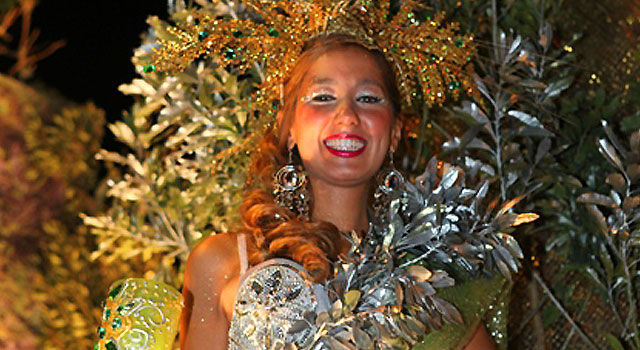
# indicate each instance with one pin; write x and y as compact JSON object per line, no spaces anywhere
{"x":343,"y":171}
{"x":344,"y":177}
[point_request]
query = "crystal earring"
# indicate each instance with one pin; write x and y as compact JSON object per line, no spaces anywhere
{"x":290,"y":188}
{"x":389,"y":180}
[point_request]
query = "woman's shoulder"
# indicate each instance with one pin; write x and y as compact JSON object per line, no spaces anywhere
{"x":214,"y":256}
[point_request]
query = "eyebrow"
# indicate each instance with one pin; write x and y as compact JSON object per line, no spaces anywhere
{"x":321,"y":81}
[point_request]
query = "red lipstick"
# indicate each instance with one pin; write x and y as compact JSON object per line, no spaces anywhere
{"x":345,"y":145}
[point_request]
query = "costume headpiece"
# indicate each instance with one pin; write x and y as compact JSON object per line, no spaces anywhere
{"x":428,"y":57}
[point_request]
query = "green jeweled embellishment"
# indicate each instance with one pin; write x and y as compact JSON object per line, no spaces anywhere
{"x":237,"y":34}
{"x":458,"y":42}
{"x":273,"y":32}
{"x":203,"y":35}
{"x":454,"y":85}
{"x":106,"y":314}
{"x":117,"y":322}
{"x":96,"y":346}
{"x":115,"y":291}
{"x":229,"y":54}
{"x":102,"y":332}
{"x":149,"y":68}
{"x":111,"y":345}
{"x":125,"y":307}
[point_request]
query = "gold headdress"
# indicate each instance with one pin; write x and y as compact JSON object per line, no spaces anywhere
{"x":428,"y":57}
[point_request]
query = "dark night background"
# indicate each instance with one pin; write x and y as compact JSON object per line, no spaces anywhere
{"x":100,"y":38}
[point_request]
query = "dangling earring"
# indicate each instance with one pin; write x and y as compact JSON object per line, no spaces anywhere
{"x":389,"y":180}
{"x":290,"y":188}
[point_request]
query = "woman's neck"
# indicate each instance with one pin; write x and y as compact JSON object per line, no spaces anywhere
{"x":345,"y":207}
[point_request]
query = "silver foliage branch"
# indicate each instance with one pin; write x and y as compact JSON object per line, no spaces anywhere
{"x":188,"y":138}
{"x":384,"y":293}
{"x":616,"y":270}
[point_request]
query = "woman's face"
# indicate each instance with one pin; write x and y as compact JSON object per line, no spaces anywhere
{"x":343,"y":122}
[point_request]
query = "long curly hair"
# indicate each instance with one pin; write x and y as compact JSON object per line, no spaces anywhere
{"x":274,"y":231}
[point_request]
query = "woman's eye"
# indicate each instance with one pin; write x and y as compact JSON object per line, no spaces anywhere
{"x":322,"y":98}
{"x":369,"y":99}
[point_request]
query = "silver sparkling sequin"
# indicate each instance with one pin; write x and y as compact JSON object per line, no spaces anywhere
{"x":271,"y":298}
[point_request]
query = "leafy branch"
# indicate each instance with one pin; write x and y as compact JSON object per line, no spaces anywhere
{"x":26,"y":54}
{"x":617,"y":270}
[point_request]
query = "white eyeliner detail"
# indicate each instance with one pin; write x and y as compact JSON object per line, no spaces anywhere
{"x":312,"y":98}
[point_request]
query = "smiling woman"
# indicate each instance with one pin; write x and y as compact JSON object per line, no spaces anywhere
{"x":333,"y":249}
{"x":344,"y":123}
{"x":340,"y":120}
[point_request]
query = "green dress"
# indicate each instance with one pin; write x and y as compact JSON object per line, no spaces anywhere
{"x":478,"y":300}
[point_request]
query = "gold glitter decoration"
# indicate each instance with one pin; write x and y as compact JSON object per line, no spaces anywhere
{"x":428,"y":57}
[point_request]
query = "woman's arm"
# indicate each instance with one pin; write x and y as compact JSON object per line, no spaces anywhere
{"x":210,"y":267}
{"x":480,"y":340}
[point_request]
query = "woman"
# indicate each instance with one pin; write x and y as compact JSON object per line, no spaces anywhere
{"x":340,"y":119}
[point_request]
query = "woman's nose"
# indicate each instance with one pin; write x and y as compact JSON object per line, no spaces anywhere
{"x":348,"y":114}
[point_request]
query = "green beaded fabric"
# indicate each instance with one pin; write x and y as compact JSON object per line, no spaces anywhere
{"x":478,"y":300}
{"x":140,"y":314}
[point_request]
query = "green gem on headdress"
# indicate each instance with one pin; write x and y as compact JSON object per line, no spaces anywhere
{"x":149,"y":68}
{"x":454,"y":85}
{"x":230,"y":54}
{"x":111,"y":345}
{"x":203,"y":35}
{"x":273,"y":32}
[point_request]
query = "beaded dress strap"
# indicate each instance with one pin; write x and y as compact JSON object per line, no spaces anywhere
{"x":242,"y":253}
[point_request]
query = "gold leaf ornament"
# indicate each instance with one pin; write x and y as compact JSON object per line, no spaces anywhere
{"x":428,"y":56}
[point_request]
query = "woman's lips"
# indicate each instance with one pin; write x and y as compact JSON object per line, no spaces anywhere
{"x":345,"y":145}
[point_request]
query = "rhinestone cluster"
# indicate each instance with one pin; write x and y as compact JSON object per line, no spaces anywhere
{"x":269,"y":301}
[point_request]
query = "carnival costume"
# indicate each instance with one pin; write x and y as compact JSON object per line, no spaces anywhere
{"x":436,"y":260}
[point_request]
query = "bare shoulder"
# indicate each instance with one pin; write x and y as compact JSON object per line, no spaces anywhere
{"x":214,"y":256}
{"x":209,"y":292}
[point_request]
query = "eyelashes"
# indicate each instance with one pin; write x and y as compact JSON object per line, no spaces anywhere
{"x":322,"y":98}
{"x":328,"y":97}
{"x":370,"y":99}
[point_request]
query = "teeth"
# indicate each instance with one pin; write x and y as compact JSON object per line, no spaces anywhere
{"x":345,"y":144}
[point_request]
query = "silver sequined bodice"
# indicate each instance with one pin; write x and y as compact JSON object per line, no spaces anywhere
{"x":270,"y":299}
